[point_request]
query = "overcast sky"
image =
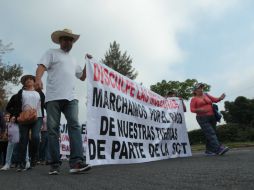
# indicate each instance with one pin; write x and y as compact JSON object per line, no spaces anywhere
{"x":208,"y":40}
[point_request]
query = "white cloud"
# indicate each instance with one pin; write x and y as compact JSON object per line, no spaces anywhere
{"x":148,"y":30}
{"x":235,"y":72}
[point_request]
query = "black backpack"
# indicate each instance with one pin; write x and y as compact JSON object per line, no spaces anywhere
{"x":217,"y":113}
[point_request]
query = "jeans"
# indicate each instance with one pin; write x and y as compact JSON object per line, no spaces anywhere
{"x":15,"y":154}
{"x":24,"y":138}
{"x":3,"y":150}
{"x":43,"y":147}
{"x":207,"y":124}
{"x":10,"y":148}
{"x":70,"y":111}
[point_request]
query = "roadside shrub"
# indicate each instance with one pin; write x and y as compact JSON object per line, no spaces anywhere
{"x":196,"y":137}
{"x":225,"y":133}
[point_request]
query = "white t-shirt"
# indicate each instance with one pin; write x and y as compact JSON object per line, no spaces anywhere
{"x":62,"y":69}
{"x":31,"y":99}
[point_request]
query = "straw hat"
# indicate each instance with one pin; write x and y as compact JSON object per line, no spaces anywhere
{"x":62,"y":33}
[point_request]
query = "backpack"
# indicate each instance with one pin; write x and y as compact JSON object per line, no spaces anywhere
{"x":217,"y":113}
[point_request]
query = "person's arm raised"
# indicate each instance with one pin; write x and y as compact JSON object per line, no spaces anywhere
{"x":83,"y":77}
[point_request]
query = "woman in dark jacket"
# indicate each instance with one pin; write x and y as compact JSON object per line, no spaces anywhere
{"x":25,"y":99}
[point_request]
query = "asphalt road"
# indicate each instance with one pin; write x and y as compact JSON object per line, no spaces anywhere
{"x":233,"y":171}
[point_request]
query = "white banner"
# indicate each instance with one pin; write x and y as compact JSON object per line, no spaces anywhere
{"x":127,"y":123}
{"x":65,"y":141}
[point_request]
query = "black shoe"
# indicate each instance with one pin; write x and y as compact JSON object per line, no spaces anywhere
{"x":223,"y":150}
{"x":54,"y":170}
{"x":47,"y":162}
{"x":80,"y":167}
{"x":33,"y":164}
{"x":21,"y":168}
{"x":13,"y":166}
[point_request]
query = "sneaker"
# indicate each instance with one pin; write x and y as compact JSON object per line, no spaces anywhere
{"x":13,"y":166}
{"x":47,"y":162}
{"x":21,"y":168}
{"x":33,"y":163}
{"x":28,"y":165}
{"x":223,"y":150}
{"x":54,"y":170}
{"x":6,"y":167}
{"x":210,"y":153}
{"x":42,"y":162}
{"x":80,"y":167}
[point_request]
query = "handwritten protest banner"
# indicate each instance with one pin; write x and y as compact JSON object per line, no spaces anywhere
{"x":127,"y":123}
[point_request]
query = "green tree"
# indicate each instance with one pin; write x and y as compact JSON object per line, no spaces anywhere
{"x":9,"y":74}
{"x":119,"y":62}
{"x":182,"y":89}
{"x":240,"y":111}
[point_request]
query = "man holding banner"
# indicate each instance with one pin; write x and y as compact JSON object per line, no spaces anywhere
{"x":61,"y":98}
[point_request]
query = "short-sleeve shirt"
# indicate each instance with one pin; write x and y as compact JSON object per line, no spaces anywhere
{"x":62,"y":69}
{"x":204,"y":102}
{"x":31,"y":99}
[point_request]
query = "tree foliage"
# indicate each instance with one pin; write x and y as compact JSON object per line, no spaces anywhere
{"x":240,"y":111}
{"x":9,"y":74}
{"x":119,"y":62}
{"x":182,"y":89}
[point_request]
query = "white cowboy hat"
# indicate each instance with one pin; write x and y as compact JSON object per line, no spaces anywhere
{"x":61,"y":33}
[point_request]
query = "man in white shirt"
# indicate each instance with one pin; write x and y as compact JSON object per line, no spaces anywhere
{"x":60,"y":97}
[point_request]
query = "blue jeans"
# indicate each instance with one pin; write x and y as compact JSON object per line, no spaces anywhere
{"x":3,"y":150}
{"x":24,"y":138}
{"x":70,"y":111}
{"x":10,"y":148}
{"x":15,"y":154}
{"x":207,"y":124}
{"x":43,"y":147}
